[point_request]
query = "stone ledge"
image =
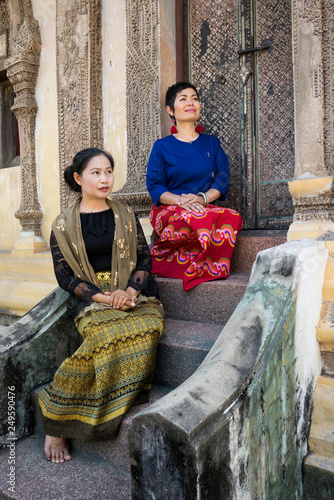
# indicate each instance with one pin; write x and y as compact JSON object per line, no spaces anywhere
{"x":300,"y":188}
{"x":318,"y":475}
{"x":30,"y":357}
{"x":219,"y":434}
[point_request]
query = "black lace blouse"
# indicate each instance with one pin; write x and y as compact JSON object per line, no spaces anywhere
{"x":98,"y":231}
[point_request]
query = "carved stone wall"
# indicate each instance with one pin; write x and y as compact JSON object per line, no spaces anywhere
{"x":4,"y":33}
{"x":315,"y":208}
{"x":142,"y":97}
{"x":22,"y":69}
{"x":313,"y":50}
{"x":79,"y":80}
{"x":308,"y":94}
{"x":328,"y":82}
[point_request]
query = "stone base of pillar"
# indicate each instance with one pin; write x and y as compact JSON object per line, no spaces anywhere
{"x":25,"y":279}
{"x":310,"y":187}
{"x":309,"y":229}
{"x":314,"y":207}
{"x":28,"y":243}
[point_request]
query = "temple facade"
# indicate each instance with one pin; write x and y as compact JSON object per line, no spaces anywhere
{"x":92,"y":73}
{"x":81,"y":73}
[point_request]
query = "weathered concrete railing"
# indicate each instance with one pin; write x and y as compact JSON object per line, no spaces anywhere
{"x":31,"y":350}
{"x":238,"y":427}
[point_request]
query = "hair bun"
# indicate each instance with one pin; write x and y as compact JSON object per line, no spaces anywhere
{"x":69,"y":179}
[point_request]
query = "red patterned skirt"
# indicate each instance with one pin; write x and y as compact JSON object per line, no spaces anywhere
{"x":194,"y":247}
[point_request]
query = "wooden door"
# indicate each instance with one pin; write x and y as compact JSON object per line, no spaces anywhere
{"x":247,"y":99}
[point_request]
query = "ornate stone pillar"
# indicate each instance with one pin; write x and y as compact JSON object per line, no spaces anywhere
{"x":143,"y":109}
{"x":22,"y":69}
{"x":312,"y":187}
{"x":79,"y":82}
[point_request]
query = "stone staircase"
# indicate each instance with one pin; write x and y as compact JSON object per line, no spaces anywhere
{"x":23,"y":282}
{"x":319,"y":464}
{"x":194,"y":320}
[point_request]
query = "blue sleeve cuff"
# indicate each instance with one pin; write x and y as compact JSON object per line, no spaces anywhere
{"x":222,"y":188}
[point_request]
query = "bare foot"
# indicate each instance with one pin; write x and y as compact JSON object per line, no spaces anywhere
{"x":56,"y":449}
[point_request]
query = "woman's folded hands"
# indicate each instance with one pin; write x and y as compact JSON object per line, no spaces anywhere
{"x":119,"y":299}
{"x":191,"y":202}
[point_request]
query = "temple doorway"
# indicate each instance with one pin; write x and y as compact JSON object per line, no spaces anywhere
{"x":239,"y":54}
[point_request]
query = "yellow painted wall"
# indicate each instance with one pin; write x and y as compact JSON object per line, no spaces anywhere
{"x":10,"y":199}
{"x":47,"y":147}
{"x":114,"y":86}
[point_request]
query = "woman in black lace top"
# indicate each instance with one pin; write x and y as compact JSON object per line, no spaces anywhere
{"x":102,"y":260}
{"x":98,"y":233}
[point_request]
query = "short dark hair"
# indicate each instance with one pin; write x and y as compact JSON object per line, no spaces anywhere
{"x":79,"y":164}
{"x":173,"y":90}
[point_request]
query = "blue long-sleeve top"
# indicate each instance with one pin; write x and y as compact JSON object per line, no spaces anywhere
{"x":183,"y":167}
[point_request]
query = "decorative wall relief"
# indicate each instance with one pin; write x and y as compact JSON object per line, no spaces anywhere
{"x":317,"y":84}
{"x":309,"y":83}
{"x":22,"y":69}
{"x":4,"y":33}
{"x":4,"y":16}
{"x":328,"y":64}
{"x":314,"y":97}
{"x":314,"y":208}
{"x":79,"y":80}
{"x":142,"y":98}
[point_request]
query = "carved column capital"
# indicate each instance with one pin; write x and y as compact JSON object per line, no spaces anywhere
{"x":22,"y":73}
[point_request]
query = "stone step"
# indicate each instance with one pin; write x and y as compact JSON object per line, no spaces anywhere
{"x":323,"y":402}
{"x":328,"y":292}
{"x":39,"y":264}
{"x":115,"y":451}
{"x":327,"y":358}
{"x":250,"y":242}
{"x":325,"y":328}
{"x":328,"y":287}
{"x":182,"y":349}
{"x":19,"y":296}
{"x":318,"y":478}
{"x":329,"y":273}
{"x":329,"y":244}
{"x":87,"y":476}
{"x":321,"y":440}
{"x":212,"y":302}
{"x":24,"y":281}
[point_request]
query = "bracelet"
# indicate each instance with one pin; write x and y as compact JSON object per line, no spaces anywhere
{"x":205,"y":198}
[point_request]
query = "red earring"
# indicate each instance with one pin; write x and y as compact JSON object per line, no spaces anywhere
{"x":199,"y":128}
{"x":173,"y":129}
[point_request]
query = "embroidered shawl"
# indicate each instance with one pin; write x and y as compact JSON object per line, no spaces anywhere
{"x":67,"y":230}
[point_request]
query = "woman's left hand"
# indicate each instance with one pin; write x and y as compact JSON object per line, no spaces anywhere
{"x":191,"y":202}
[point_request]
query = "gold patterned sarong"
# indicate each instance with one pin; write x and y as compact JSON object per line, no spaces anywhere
{"x":111,"y":371}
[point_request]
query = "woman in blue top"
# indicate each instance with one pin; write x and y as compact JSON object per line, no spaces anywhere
{"x":188,"y":171}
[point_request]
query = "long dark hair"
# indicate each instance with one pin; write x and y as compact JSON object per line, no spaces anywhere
{"x":79,"y":164}
{"x":173,"y":90}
